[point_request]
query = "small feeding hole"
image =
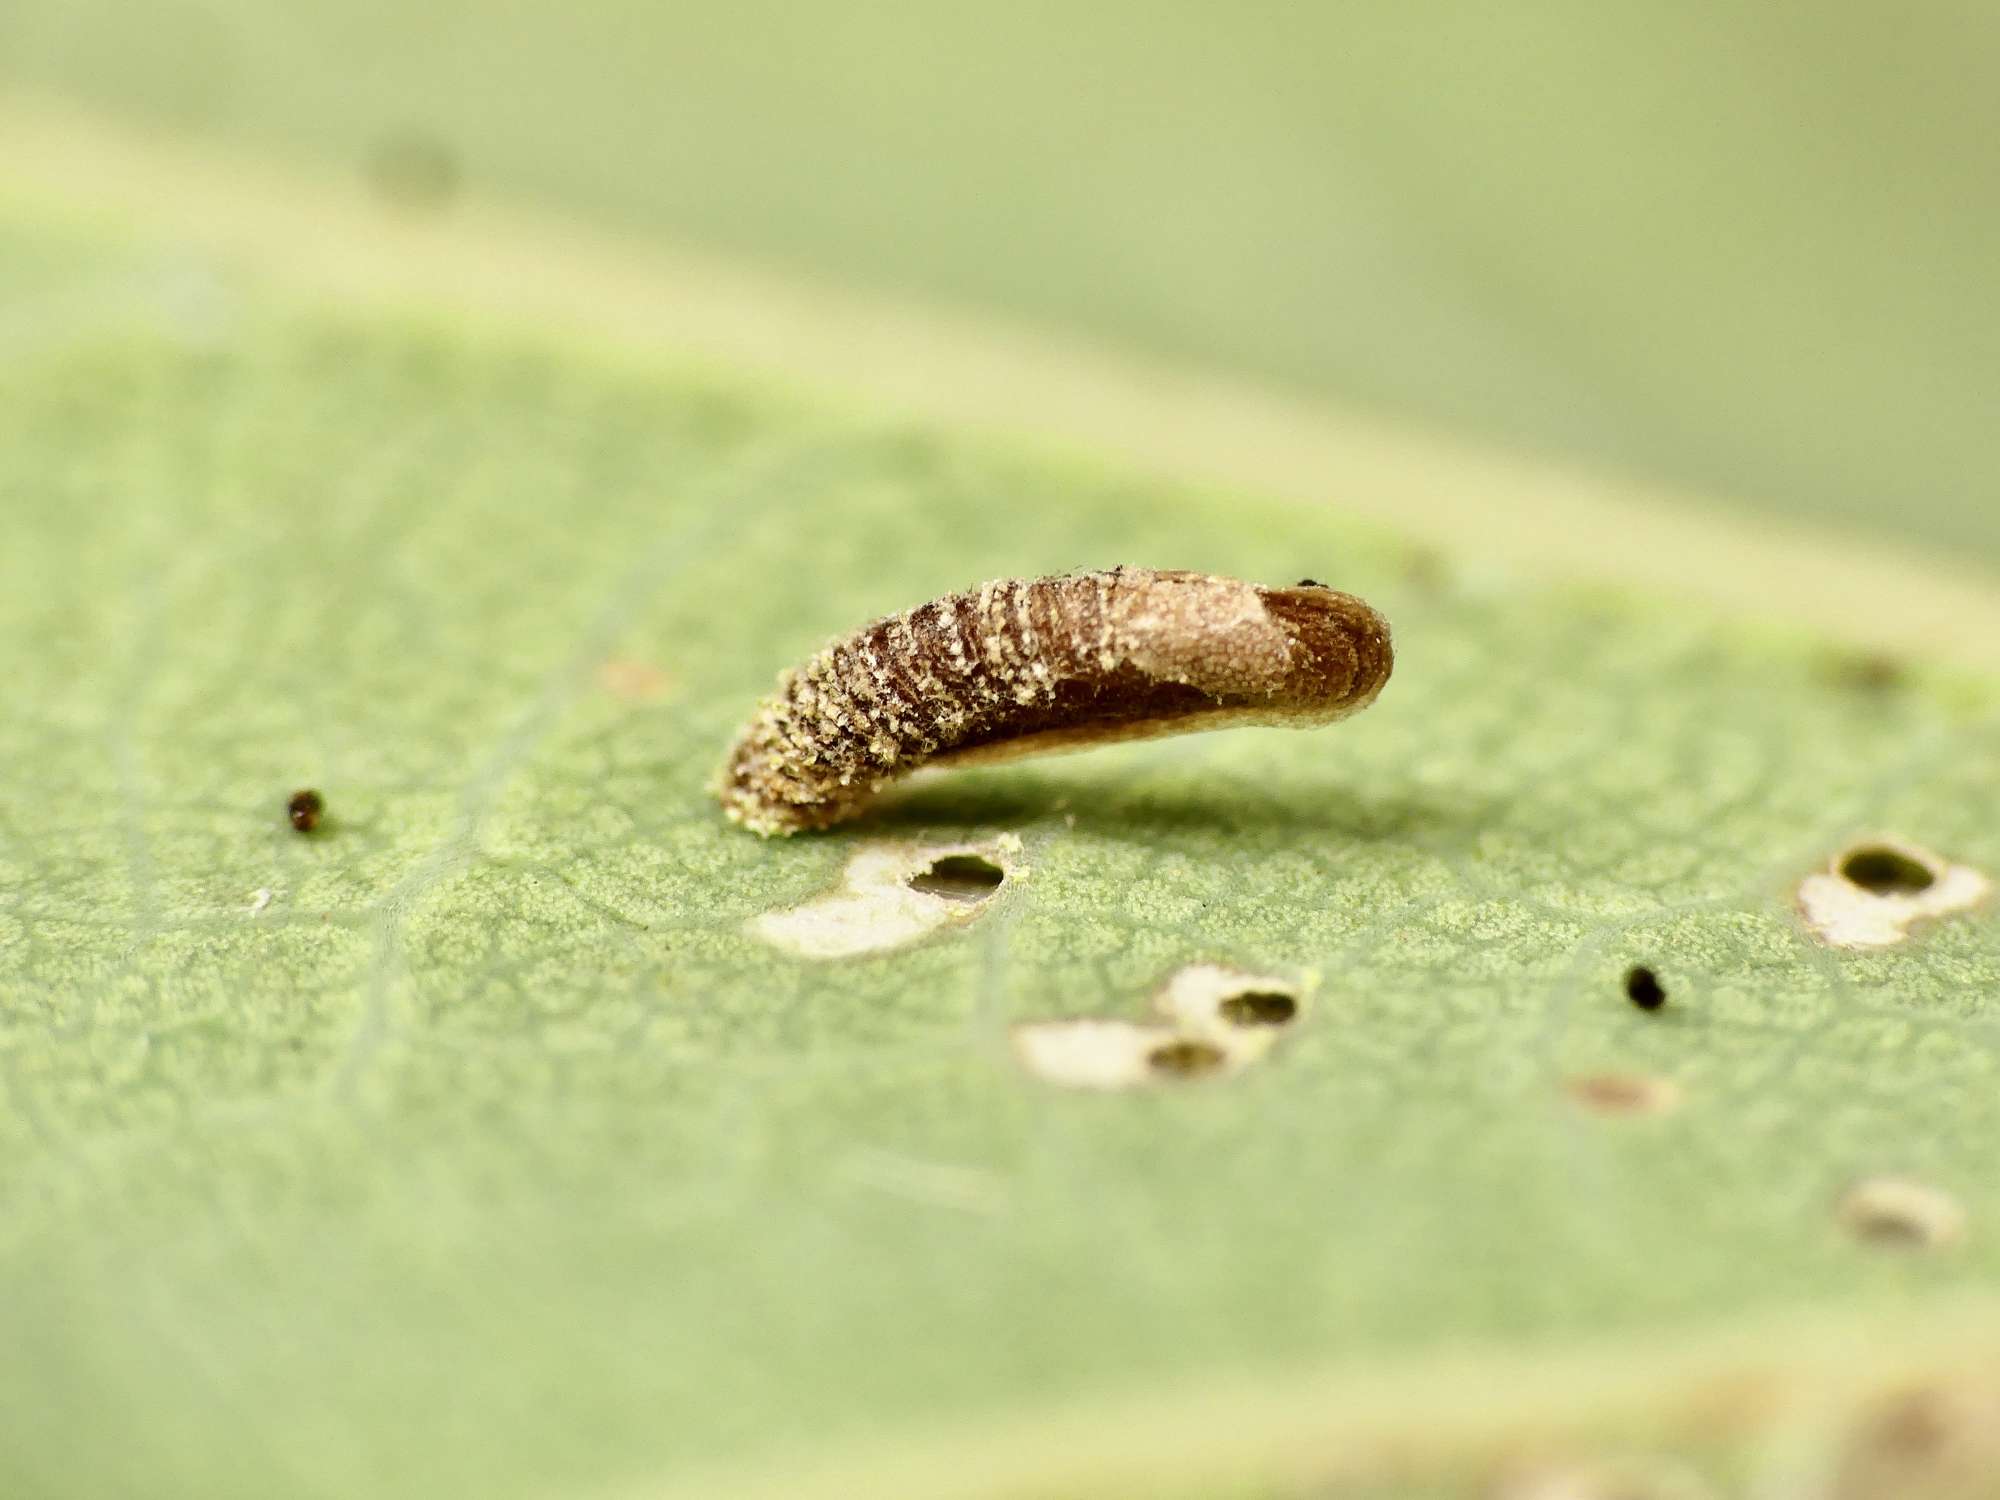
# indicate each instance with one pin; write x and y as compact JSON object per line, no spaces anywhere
{"x":1883,"y":871}
{"x":1259,"y":1008}
{"x":1623,"y":1094}
{"x":1186,"y":1057}
{"x":959,"y":877}
{"x":1897,"y":1213}
{"x":1870,"y":672}
{"x":1917,"y":1425}
{"x":1234,"y":1009}
{"x":413,"y":172}
{"x":890,"y":895}
{"x":1643,"y":988}
{"x":1872,"y":894}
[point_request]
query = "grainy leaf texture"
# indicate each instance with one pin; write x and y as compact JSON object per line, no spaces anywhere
{"x":477,"y":1143}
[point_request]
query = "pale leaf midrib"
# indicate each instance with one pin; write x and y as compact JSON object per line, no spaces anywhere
{"x":325,"y":235}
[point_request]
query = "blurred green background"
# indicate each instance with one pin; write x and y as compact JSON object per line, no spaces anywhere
{"x":1748,"y":249}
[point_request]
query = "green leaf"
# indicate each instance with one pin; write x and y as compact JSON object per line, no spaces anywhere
{"x":475,"y":1143}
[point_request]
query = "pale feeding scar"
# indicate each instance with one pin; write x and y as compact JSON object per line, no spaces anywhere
{"x":1026,"y":666}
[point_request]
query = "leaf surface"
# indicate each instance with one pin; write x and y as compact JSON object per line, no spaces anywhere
{"x":474,"y":1143}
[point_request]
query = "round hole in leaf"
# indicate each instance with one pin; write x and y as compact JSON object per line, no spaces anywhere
{"x":1885,"y":872}
{"x":1186,"y":1058}
{"x":959,"y":877}
{"x":1259,"y":1008}
{"x":1900,"y":1214}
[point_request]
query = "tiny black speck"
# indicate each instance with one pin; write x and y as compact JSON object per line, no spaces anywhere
{"x":1643,"y":988}
{"x":1308,"y":583}
{"x":304,"y":810}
